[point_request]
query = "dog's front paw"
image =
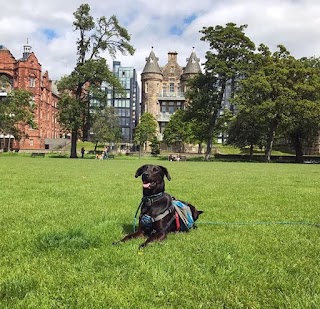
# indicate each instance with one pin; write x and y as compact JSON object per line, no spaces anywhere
{"x":142,"y":246}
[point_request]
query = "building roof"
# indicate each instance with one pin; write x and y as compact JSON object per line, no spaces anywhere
{"x":2,"y":47}
{"x":152,"y":65}
{"x":193,"y":65}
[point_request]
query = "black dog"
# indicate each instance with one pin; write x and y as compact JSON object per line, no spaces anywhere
{"x":158,"y":215}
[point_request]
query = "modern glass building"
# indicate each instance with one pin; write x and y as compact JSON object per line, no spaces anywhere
{"x":128,"y":105}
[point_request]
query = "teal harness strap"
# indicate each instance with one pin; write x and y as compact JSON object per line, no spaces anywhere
{"x":135,"y":216}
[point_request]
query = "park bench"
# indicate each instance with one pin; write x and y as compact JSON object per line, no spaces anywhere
{"x":37,"y":154}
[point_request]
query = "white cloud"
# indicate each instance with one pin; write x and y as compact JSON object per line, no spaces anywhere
{"x":293,"y":23}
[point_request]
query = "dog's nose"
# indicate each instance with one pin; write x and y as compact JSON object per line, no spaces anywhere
{"x":145,"y":176}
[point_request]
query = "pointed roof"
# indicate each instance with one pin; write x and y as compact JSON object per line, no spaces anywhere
{"x":2,"y":47}
{"x":152,"y":65}
{"x":193,"y":65}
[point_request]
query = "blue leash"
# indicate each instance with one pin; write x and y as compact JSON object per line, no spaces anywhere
{"x":262,"y":223}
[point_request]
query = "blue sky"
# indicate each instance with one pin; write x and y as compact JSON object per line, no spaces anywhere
{"x":163,"y":24}
{"x":49,"y":34}
{"x":178,"y":29}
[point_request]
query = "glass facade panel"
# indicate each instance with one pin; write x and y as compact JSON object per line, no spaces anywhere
{"x":126,"y":104}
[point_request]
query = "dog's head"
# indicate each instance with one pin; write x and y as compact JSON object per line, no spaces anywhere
{"x":152,"y":178}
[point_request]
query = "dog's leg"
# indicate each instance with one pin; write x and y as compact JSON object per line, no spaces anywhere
{"x":138,"y":233}
{"x":155,"y":237}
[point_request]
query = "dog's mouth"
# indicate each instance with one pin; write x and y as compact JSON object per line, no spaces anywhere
{"x":147,"y":185}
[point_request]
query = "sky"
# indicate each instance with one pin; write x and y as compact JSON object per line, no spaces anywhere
{"x":165,"y":25}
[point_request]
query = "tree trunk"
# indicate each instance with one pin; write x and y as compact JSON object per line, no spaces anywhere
{"x":251,"y":151}
{"x":209,"y":145}
{"x":74,"y":138}
{"x":298,"y":149}
{"x":271,"y":134}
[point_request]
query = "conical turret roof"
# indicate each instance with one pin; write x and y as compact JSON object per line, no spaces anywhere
{"x":152,"y":65}
{"x":193,"y":65}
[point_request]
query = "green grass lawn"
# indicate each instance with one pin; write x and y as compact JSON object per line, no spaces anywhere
{"x":253,"y":247}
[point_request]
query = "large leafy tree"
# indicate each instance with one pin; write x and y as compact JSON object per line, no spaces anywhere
{"x":277,"y":94}
{"x":106,"y":126}
{"x":228,"y":59}
{"x":16,"y":111}
{"x":204,"y":105}
{"x":302,"y":122}
{"x":84,"y":83}
{"x":146,"y":130}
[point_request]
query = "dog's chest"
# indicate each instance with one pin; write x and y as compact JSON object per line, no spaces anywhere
{"x":154,"y":208}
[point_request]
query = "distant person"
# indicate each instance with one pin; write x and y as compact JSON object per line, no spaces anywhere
{"x":82,"y":152}
{"x":105,"y":152}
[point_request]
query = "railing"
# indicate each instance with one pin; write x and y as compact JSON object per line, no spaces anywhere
{"x":163,"y":117}
{"x":172,"y":95}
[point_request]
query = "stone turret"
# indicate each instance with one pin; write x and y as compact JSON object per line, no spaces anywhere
{"x":151,"y":85}
{"x":192,"y":68}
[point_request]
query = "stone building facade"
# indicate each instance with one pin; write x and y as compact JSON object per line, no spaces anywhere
{"x":26,"y":73}
{"x":163,"y":88}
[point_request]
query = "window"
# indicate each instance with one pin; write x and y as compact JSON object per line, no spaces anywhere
{"x":171,"y":108}
{"x":162,"y":127}
{"x":164,"y":88}
{"x":171,"y":85}
{"x":146,"y":87}
{"x":32,"y":82}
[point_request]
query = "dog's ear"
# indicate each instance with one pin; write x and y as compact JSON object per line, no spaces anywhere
{"x":140,"y":171}
{"x":165,"y":172}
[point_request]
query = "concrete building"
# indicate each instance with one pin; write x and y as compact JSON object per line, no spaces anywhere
{"x":163,"y":88}
{"x":26,"y":73}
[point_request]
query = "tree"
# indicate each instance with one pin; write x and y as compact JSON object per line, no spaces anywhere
{"x":146,"y":130}
{"x":84,"y":83}
{"x":177,"y":131}
{"x":204,"y":105}
{"x":228,"y":60}
{"x":245,"y":129}
{"x":16,"y":111}
{"x":302,"y":122}
{"x":276,"y":94}
{"x":106,"y":126}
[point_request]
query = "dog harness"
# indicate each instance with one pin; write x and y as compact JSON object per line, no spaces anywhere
{"x":147,"y":220}
{"x":182,"y":216}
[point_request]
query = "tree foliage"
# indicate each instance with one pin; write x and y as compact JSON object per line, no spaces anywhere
{"x":84,"y":83}
{"x":146,"y":130}
{"x":274,"y":97}
{"x":228,"y":59}
{"x":106,"y":126}
{"x":177,"y":130}
{"x":16,"y":111}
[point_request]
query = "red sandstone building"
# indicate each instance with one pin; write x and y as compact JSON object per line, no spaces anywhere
{"x":26,"y":73}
